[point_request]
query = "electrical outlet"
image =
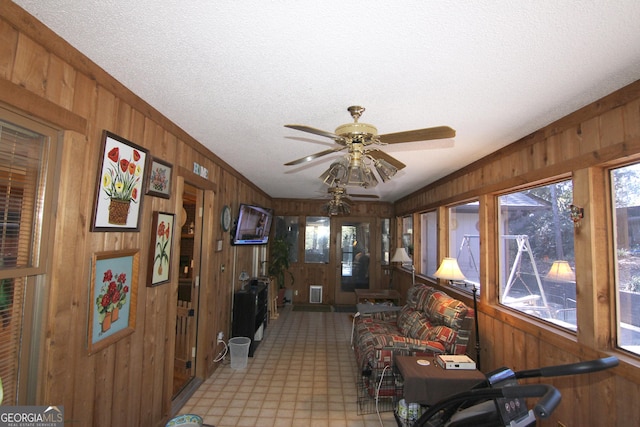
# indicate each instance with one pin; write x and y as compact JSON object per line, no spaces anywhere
{"x":220,"y":337}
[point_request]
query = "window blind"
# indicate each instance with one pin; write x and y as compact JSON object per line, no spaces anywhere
{"x":22,"y":170}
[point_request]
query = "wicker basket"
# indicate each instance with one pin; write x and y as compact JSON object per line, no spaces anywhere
{"x":119,"y":211}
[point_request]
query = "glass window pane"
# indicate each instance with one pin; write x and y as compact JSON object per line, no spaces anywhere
{"x":287,"y":229}
{"x":537,"y":260}
{"x":429,"y":242}
{"x":464,"y":239}
{"x":385,"y":233}
{"x":625,"y":183}
{"x":316,"y":240}
{"x":22,"y":191}
{"x":407,"y":234}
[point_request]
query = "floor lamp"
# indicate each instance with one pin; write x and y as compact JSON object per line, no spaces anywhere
{"x":450,"y":270}
{"x":403,"y":257}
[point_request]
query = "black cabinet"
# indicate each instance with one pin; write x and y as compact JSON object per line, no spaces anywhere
{"x":250,"y":311}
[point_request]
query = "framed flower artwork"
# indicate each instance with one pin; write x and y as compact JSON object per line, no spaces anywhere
{"x":118,"y":200}
{"x":159,"y":178}
{"x":160,"y":248}
{"x":112,"y":297}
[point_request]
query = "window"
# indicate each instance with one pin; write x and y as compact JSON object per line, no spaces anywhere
{"x":407,"y":234}
{"x":385,"y":236}
{"x":537,"y":261}
{"x":287,"y":229}
{"x":464,"y":239}
{"x":24,"y":173}
{"x":316,"y":240}
{"x":429,"y":243}
{"x":625,"y":183}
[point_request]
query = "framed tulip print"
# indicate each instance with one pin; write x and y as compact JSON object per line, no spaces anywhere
{"x":112,"y":297}
{"x":160,"y":248}
{"x":118,"y":200}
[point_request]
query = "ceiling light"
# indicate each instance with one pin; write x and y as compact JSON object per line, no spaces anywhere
{"x":385,"y":169}
{"x":336,"y":173}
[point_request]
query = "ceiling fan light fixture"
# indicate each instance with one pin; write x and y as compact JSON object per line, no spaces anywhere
{"x":385,"y":169}
{"x":359,"y":175}
{"x":336,"y":173}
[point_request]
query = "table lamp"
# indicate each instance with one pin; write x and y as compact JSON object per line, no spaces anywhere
{"x":450,"y":270}
{"x":403,"y":257}
{"x":560,"y":271}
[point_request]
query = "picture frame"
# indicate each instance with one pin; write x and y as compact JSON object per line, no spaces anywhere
{"x":118,"y":199}
{"x":159,"y":175}
{"x":159,"y":265}
{"x":112,"y":297}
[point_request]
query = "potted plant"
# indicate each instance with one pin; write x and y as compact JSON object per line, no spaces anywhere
{"x":278,"y":264}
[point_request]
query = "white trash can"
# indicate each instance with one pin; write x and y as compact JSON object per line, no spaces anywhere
{"x":239,"y":349}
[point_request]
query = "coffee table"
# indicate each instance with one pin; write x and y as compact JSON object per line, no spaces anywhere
{"x":427,"y":385}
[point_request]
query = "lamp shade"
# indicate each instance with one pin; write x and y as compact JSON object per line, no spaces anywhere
{"x":449,"y":270}
{"x":560,"y":271}
{"x":401,"y":255}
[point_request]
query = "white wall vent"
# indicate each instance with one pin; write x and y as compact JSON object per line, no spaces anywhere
{"x":315,"y":294}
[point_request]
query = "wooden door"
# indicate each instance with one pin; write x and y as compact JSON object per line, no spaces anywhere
{"x":354,"y":252}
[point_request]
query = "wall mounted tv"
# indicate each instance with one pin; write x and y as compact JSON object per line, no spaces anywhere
{"x":252,"y":226}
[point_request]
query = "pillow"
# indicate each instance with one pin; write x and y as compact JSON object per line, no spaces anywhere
{"x":411,"y":321}
{"x":444,"y":335}
{"x":444,"y":310}
{"x":422,"y":294}
{"x":420,"y":330}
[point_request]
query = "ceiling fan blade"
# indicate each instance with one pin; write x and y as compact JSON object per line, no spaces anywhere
{"x":314,"y":156}
{"x":377,"y":154}
{"x":315,"y":131}
{"x":439,"y":132}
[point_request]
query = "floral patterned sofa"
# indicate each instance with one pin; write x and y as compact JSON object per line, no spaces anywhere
{"x":430,"y":323}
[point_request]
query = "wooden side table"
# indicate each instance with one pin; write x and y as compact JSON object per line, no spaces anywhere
{"x":427,"y":385}
{"x":377,"y":295}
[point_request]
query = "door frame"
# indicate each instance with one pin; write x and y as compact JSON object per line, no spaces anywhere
{"x":206,"y":248}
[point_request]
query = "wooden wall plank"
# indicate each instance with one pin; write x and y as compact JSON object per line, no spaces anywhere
{"x":8,"y":46}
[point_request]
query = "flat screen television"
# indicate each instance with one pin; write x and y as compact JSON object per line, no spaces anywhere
{"x":252,"y":226}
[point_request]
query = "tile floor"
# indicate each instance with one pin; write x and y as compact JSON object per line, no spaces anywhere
{"x":302,"y":374}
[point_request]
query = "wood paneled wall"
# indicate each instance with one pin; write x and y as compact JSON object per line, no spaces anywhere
{"x":579,"y":146}
{"x":130,"y":382}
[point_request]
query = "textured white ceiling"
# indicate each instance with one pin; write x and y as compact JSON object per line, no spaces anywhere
{"x":233,"y":73}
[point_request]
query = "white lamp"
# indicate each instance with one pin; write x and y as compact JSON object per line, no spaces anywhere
{"x":450,"y":270}
{"x":560,"y":271}
{"x":403,"y":257}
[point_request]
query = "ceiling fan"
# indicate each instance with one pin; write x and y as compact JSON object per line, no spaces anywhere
{"x":362,"y":142}
{"x":339,"y":202}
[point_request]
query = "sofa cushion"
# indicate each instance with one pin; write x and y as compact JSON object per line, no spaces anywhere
{"x":422,"y":295}
{"x":441,"y":309}
{"x":409,"y":319}
{"x":420,"y":330}
{"x":444,"y":335}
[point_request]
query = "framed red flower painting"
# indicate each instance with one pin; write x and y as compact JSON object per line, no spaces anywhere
{"x":159,"y":265}
{"x":118,"y":200}
{"x":112,"y":297}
